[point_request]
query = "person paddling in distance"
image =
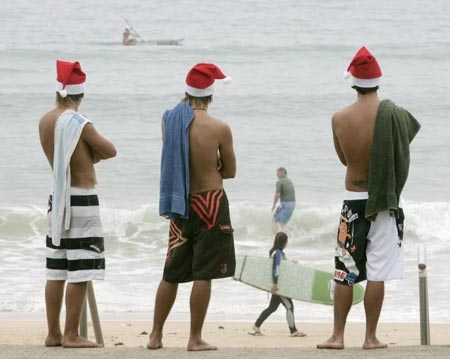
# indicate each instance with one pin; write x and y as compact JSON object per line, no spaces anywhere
{"x":129,"y":37}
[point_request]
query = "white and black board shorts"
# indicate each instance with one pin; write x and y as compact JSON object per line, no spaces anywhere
{"x":80,"y":255}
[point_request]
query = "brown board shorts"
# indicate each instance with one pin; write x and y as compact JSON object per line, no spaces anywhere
{"x":201,"y":247}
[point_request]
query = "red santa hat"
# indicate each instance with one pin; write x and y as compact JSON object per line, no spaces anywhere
{"x":70,"y":79}
{"x":200,"y":79}
{"x":364,"y":69}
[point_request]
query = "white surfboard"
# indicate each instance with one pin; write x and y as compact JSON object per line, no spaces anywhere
{"x":295,"y":281}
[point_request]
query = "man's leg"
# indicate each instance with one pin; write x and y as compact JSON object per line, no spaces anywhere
{"x":54,"y":292}
{"x":274,"y":227}
{"x":199,"y":301}
{"x":75,"y":298}
{"x":343,"y":298}
{"x":165,"y":297}
{"x":373,"y":302}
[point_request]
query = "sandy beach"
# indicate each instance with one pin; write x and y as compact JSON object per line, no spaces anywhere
{"x":17,"y":336}
{"x":20,"y":338}
{"x":131,"y":334}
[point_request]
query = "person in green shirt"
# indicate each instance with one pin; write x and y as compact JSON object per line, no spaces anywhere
{"x":285,"y":198}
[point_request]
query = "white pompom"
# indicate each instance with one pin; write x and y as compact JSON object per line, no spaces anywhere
{"x":227,"y":80}
{"x":347,"y":74}
{"x":63,"y":93}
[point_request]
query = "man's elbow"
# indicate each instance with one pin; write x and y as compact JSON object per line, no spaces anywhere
{"x":228,"y":174}
{"x":110,"y":153}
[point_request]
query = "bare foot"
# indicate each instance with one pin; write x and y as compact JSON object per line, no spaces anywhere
{"x":78,"y":342}
{"x":53,"y":341}
{"x":200,"y":345}
{"x":298,"y":334}
{"x":331,"y":343}
{"x":155,"y":342}
{"x":374,"y":344}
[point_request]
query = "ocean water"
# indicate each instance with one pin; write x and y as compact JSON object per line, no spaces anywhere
{"x":287,"y":60}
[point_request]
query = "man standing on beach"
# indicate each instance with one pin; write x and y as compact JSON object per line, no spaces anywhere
{"x":75,"y":241}
{"x":285,"y":194}
{"x":197,"y":155}
{"x":372,"y":140}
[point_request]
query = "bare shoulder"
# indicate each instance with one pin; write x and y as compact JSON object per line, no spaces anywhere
{"x":220,"y":124}
{"x":343,"y":115}
{"x":48,"y":119}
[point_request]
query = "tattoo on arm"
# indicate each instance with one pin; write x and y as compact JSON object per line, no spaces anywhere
{"x":364,"y":184}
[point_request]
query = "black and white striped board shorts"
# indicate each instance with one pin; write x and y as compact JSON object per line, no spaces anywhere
{"x":80,"y":255}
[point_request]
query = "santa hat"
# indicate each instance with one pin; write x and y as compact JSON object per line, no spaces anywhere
{"x":200,"y":79}
{"x":364,"y":69}
{"x":70,"y":79}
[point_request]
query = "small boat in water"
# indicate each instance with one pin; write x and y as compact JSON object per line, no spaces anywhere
{"x":165,"y":42}
{"x":131,"y":37}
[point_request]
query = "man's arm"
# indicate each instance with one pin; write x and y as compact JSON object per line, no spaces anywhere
{"x":227,"y":160}
{"x":276,"y":198}
{"x":337,"y":146}
{"x":101,"y":148}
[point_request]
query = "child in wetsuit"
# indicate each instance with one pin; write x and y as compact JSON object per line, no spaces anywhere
{"x":276,"y":252}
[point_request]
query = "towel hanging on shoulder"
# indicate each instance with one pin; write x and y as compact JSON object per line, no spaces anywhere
{"x":174,"y":180}
{"x":67,"y":134}
{"x":395,"y":128}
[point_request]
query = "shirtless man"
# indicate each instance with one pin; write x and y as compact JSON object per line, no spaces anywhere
{"x":128,"y":37}
{"x":201,"y":247}
{"x":365,"y":249}
{"x":90,"y":149}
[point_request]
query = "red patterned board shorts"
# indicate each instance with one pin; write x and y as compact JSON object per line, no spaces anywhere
{"x":201,"y":247}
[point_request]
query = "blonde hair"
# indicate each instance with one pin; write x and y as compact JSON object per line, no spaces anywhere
{"x":69,"y":99}
{"x":203,"y":101}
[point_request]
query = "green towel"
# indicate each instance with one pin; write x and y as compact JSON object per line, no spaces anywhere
{"x":395,"y":128}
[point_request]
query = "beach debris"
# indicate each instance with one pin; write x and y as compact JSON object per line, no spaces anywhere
{"x":143,"y":333}
{"x":118,"y":343}
{"x":221,"y":327}
{"x":126,"y":324}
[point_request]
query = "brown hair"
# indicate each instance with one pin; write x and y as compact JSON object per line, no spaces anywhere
{"x":282,"y":169}
{"x":279,"y":242}
{"x":365,"y":90}
{"x":202,"y":101}
{"x":69,"y":99}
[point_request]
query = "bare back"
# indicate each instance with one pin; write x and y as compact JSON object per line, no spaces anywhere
{"x":212,"y":157}
{"x":90,"y":149}
{"x":352,"y":133}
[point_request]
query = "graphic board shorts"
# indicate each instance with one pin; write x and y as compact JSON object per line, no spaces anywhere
{"x":365,"y":249}
{"x":80,"y":256}
{"x":201,"y":247}
{"x":283,"y":213}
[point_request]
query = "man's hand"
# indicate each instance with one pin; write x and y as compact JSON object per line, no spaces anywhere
{"x":274,"y":289}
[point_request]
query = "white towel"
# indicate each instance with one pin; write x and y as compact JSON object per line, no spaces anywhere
{"x":67,"y":133}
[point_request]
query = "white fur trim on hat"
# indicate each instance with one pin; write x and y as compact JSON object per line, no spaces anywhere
{"x":70,"y":89}
{"x":200,"y":92}
{"x":365,"y":83}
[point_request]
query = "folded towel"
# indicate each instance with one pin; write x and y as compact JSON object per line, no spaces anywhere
{"x":174,"y":181}
{"x":395,"y":128}
{"x":67,"y":133}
